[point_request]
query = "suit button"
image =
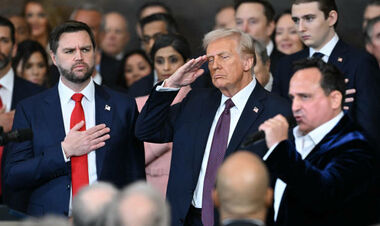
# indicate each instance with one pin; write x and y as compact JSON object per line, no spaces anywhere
{"x":68,"y":186}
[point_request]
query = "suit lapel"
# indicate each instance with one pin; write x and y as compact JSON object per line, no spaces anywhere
{"x":209,"y":106}
{"x":338,"y":55}
{"x":103,"y":114}
{"x":53,"y":113}
{"x":252,"y":110}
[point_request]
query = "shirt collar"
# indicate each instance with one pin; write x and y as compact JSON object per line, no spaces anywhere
{"x":270,"y":47}
{"x":321,"y":131}
{"x":255,"y":221}
{"x":328,"y":48}
{"x":65,"y":93}
{"x":7,"y":81}
{"x":241,"y":98}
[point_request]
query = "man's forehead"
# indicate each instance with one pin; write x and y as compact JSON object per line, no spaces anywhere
{"x":303,"y":9}
{"x":221,"y":45}
{"x":5,"y":31}
{"x":81,"y":38}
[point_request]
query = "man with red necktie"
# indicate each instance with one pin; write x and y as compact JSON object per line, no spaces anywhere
{"x":12,"y":88}
{"x":83,"y":132}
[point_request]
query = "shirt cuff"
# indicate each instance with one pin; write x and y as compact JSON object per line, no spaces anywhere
{"x":161,"y":88}
{"x":64,"y":155}
{"x":266,"y":156}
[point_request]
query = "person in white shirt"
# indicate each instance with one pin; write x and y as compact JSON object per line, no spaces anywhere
{"x":325,"y":176}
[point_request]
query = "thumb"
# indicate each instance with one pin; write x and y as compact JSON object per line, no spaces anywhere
{"x":78,"y":126}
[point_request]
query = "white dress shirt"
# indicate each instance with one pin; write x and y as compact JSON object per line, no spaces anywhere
{"x":270,"y":48}
{"x":97,"y":78}
{"x":7,"y":81}
{"x":326,"y":49}
{"x":239,"y":99}
{"x":88,"y":104}
{"x":304,"y":145}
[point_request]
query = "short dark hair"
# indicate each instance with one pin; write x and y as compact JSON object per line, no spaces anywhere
{"x":25,"y":49}
{"x":268,"y":7}
{"x":69,"y":27}
{"x":331,"y":77}
{"x":178,"y":42}
{"x":368,"y":30}
{"x":152,"y":4}
{"x":7,"y":23}
{"x":326,"y":6}
{"x":373,"y":3}
{"x":171,"y":25}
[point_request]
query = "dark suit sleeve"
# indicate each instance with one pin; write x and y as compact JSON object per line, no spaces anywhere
{"x":337,"y":176}
{"x":23,"y":168}
{"x":155,"y":122}
{"x":366,"y":110}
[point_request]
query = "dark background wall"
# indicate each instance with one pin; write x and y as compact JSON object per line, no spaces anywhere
{"x":196,"y":17}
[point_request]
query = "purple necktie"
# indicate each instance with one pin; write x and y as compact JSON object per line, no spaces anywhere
{"x":217,"y":151}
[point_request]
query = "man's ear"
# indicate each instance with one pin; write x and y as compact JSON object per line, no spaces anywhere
{"x":269,"y":197}
{"x":369,"y":48}
{"x":270,"y":28}
{"x":248,"y":63}
{"x":336,"y":99}
{"x":52,"y":55}
{"x":215,"y":198}
{"x":332,"y":18}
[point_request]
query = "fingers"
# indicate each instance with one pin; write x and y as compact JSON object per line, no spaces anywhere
{"x":2,"y":110}
{"x":350,"y":91}
{"x":98,"y":133}
{"x":99,"y":142}
{"x":95,"y":128}
{"x":348,"y":100}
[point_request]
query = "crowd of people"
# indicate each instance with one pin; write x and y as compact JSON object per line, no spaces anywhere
{"x":153,"y":136}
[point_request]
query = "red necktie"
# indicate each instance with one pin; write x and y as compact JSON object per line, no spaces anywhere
{"x":79,"y":165}
{"x":1,"y":147}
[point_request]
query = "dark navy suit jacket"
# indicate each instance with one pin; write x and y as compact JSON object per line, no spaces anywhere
{"x":187,"y":125}
{"x":38,"y":166}
{"x":363,"y":73}
{"x":23,"y":89}
{"x":331,"y":186}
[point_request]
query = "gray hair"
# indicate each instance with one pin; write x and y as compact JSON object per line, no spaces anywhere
{"x":86,"y":6}
{"x":91,"y":203}
{"x":158,"y":215}
{"x":368,"y":30}
{"x":246,"y":43}
{"x":261,"y":50}
{"x":103,"y":22}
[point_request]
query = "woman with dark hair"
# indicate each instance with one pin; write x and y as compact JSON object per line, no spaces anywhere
{"x":168,"y":53}
{"x":286,"y":36}
{"x":31,"y":62}
{"x":135,"y":65}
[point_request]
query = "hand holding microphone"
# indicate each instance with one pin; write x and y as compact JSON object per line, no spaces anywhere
{"x":272,"y":130}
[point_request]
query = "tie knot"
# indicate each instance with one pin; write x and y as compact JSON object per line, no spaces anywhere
{"x":77,"y":97}
{"x":318,"y":55}
{"x":229,"y":104}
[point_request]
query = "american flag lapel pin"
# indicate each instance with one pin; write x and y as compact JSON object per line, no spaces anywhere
{"x":107,"y":107}
{"x":255,"y":109}
{"x":340,"y":59}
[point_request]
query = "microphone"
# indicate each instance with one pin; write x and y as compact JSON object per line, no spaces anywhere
{"x":260,"y":135}
{"x":19,"y":135}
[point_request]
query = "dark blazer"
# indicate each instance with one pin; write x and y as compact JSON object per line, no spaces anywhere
{"x":363,"y":73}
{"x":23,"y":89}
{"x":110,"y":69}
{"x":331,"y":186}
{"x":187,"y":125}
{"x":275,"y":57}
{"x":142,"y":87}
{"x":38,"y":165}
